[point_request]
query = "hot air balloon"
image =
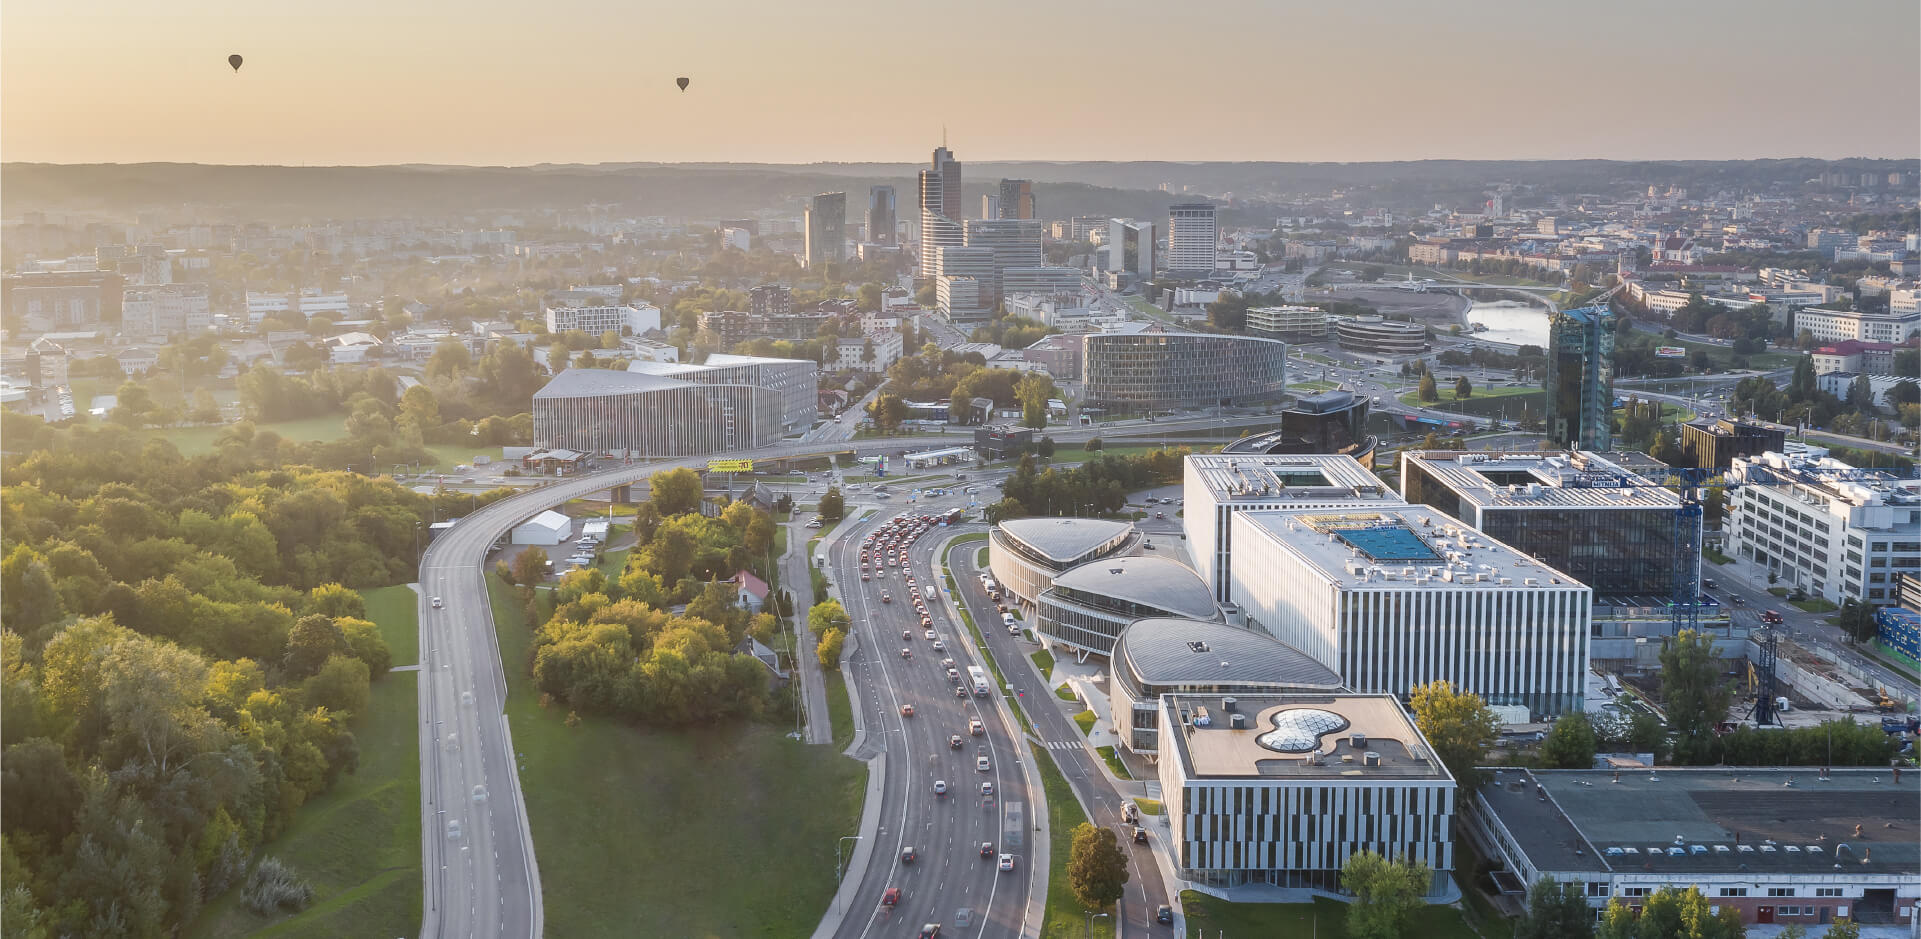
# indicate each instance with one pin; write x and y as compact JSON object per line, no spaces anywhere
{"x":234,"y":60}
{"x":682,"y":82}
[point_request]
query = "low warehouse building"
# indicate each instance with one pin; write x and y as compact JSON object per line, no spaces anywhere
{"x":547,"y":528}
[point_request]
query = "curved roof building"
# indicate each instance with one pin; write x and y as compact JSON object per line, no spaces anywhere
{"x":1378,"y":335}
{"x":1026,"y":554}
{"x":1165,"y":655}
{"x":595,"y":410}
{"x":1155,"y":370}
{"x":1087,"y":607}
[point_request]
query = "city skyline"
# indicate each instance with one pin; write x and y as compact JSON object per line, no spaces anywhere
{"x":360,"y":85}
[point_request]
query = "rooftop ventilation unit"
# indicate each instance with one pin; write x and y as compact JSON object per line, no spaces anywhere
{"x":1371,"y":758}
{"x":1237,"y":721}
{"x":1197,"y":646}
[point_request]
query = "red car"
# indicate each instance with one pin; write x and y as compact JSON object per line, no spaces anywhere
{"x":891,"y":897}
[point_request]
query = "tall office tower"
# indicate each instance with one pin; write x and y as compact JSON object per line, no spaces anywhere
{"x":990,"y":205}
{"x":1580,"y":378}
{"x":826,"y":229}
{"x":940,"y":209}
{"x":882,"y":222}
{"x":1014,"y":243}
{"x":1193,"y":235}
{"x":1017,"y":198}
{"x":1130,"y":247}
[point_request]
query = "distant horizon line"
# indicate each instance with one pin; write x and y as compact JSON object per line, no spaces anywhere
{"x":1056,"y":162}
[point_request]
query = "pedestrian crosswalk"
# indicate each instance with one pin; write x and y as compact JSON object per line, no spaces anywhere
{"x":1061,"y":745}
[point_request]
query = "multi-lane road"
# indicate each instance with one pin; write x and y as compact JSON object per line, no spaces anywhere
{"x":950,"y":881}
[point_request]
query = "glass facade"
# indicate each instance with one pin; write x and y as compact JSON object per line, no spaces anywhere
{"x":1617,"y":552}
{"x":681,"y":420}
{"x":1580,"y":379}
{"x":1150,"y":371}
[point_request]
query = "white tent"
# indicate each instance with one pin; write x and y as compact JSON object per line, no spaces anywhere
{"x":547,"y":528}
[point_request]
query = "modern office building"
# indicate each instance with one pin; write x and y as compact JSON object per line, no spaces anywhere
{"x":974,"y":299}
{"x":962,"y":299}
{"x":795,"y":380}
{"x":1578,"y":513}
{"x":1329,"y":422}
{"x":990,"y":205}
{"x":1713,"y":444}
{"x":1088,"y":606}
{"x":1216,"y":486}
{"x":826,"y":230}
{"x":883,"y":220}
{"x":1403,"y":596}
{"x":1193,"y":238}
{"x":1046,"y":280}
{"x":939,"y":202}
{"x":1796,"y":845}
{"x":1003,"y":441}
{"x":1305,"y":323}
{"x":1580,"y":378}
{"x":770,"y":300}
{"x":1815,"y":523}
{"x":630,"y":414}
{"x":1155,"y":657}
{"x":1026,"y":554}
{"x":1839,"y":325}
{"x":1283,"y":789}
{"x":1157,"y":370}
{"x":1377,"y":335}
{"x":595,"y":320}
{"x":1130,"y":247}
{"x":1015,"y":243}
{"x":1017,"y":199}
{"x":166,"y":310}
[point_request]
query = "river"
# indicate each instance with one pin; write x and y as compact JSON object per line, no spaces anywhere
{"x":1512,"y":321}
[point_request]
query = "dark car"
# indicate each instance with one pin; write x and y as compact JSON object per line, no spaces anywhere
{"x":1140,"y":835}
{"x":1164,"y":914}
{"x":907,"y":855}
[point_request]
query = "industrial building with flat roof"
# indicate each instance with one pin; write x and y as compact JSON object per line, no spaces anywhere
{"x":1026,"y":554}
{"x":1836,"y":531}
{"x":1781,"y":845}
{"x":1087,"y":607}
{"x":686,"y":412}
{"x":1579,"y":513}
{"x":1283,"y":789}
{"x":1215,"y":487}
{"x":1164,"y":655}
{"x":1397,"y":597}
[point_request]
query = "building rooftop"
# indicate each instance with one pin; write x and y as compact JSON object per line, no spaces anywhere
{"x":1827,"y":478}
{"x":1712,"y":820}
{"x":1148,"y":581}
{"x":591,"y":382}
{"x":1298,"y":736}
{"x":1729,"y":427}
{"x":1533,"y":478}
{"x":723,"y":359}
{"x":1165,"y":651}
{"x":1308,"y":477}
{"x":1064,"y":540}
{"x":1401,"y":547}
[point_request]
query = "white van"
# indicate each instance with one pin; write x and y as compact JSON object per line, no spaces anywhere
{"x":1007,"y":620}
{"x":929,"y":589}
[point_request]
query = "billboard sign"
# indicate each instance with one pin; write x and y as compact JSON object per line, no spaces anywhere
{"x":1670,"y":352}
{"x":730,"y":466}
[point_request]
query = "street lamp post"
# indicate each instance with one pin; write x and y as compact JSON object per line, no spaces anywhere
{"x":837,"y":871}
{"x":1091,"y":917}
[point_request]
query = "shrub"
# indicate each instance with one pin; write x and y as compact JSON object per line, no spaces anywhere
{"x":273,"y":887}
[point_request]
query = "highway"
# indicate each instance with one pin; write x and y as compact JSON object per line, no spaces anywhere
{"x":949,"y":882}
{"x":1145,"y":890}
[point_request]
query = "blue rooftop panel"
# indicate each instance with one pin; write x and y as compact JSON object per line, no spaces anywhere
{"x":1387,"y":543}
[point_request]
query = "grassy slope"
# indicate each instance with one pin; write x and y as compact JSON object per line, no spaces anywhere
{"x":1211,"y":917}
{"x":359,"y":843}
{"x":1065,"y":916}
{"x":725,"y":831}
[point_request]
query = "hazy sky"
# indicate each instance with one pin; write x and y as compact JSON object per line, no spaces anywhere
{"x":499,"y":82}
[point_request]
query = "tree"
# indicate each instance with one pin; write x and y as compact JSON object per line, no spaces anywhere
{"x":832,"y":504}
{"x":341,"y":686}
{"x":1570,"y":743}
{"x":1459,"y":725}
{"x":336,"y":601}
{"x":530,"y":566}
{"x":310,"y":643}
{"x":1856,"y":619}
{"x":888,"y":412}
{"x":1044,"y":448}
{"x":675,"y":491}
{"x":449,"y":361}
{"x":1429,"y":391}
{"x":1093,"y":445}
{"x":829,"y":648}
{"x":1386,"y":893}
{"x":1463,"y":389}
{"x":1844,"y":929}
{"x":1692,"y":688}
{"x":1096,"y":866}
{"x":1033,"y":393}
{"x":828,"y":615}
{"x":1671,"y":914}
{"x":1556,"y":910}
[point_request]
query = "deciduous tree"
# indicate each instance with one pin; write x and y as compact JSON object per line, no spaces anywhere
{"x":1556,"y":910}
{"x":1458,"y":724}
{"x":1570,"y":743}
{"x":1096,"y":866}
{"x":829,"y":648}
{"x":1386,"y":893}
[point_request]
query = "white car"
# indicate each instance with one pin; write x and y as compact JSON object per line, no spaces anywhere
{"x":987,"y":788}
{"x":436,"y":602}
{"x":940,"y":787}
{"x":980,"y":763}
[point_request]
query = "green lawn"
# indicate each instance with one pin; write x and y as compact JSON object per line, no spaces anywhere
{"x":1481,"y":393}
{"x":1148,"y":806}
{"x":1045,"y":660}
{"x":1086,"y":721}
{"x":707,"y":831}
{"x":359,"y":843}
{"x":1114,"y":763}
{"x":1065,"y":916}
{"x":1814,"y":605}
{"x":1218,"y":919}
{"x":194,"y":441}
{"x":1065,"y":692}
{"x":840,"y":710}
{"x":1716,"y":556}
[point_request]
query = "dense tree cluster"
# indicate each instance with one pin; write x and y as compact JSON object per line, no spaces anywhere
{"x":1097,"y":486}
{"x":611,"y":646}
{"x":178,"y":666}
{"x":1386,"y":893}
{"x":1668,"y":913}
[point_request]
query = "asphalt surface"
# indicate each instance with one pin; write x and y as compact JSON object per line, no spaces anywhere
{"x":1065,"y":743}
{"x":949,"y":880}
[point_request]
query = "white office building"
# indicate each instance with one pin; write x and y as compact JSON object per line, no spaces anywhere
{"x":166,"y":310}
{"x":1836,"y":325}
{"x":1216,"y":486}
{"x":1130,"y":247}
{"x":598,"y":319}
{"x":1283,"y":789}
{"x":1288,"y":322}
{"x":1155,"y":657}
{"x":1835,"y":531}
{"x":872,"y":351}
{"x":1193,"y":237}
{"x":1403,"y":596}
